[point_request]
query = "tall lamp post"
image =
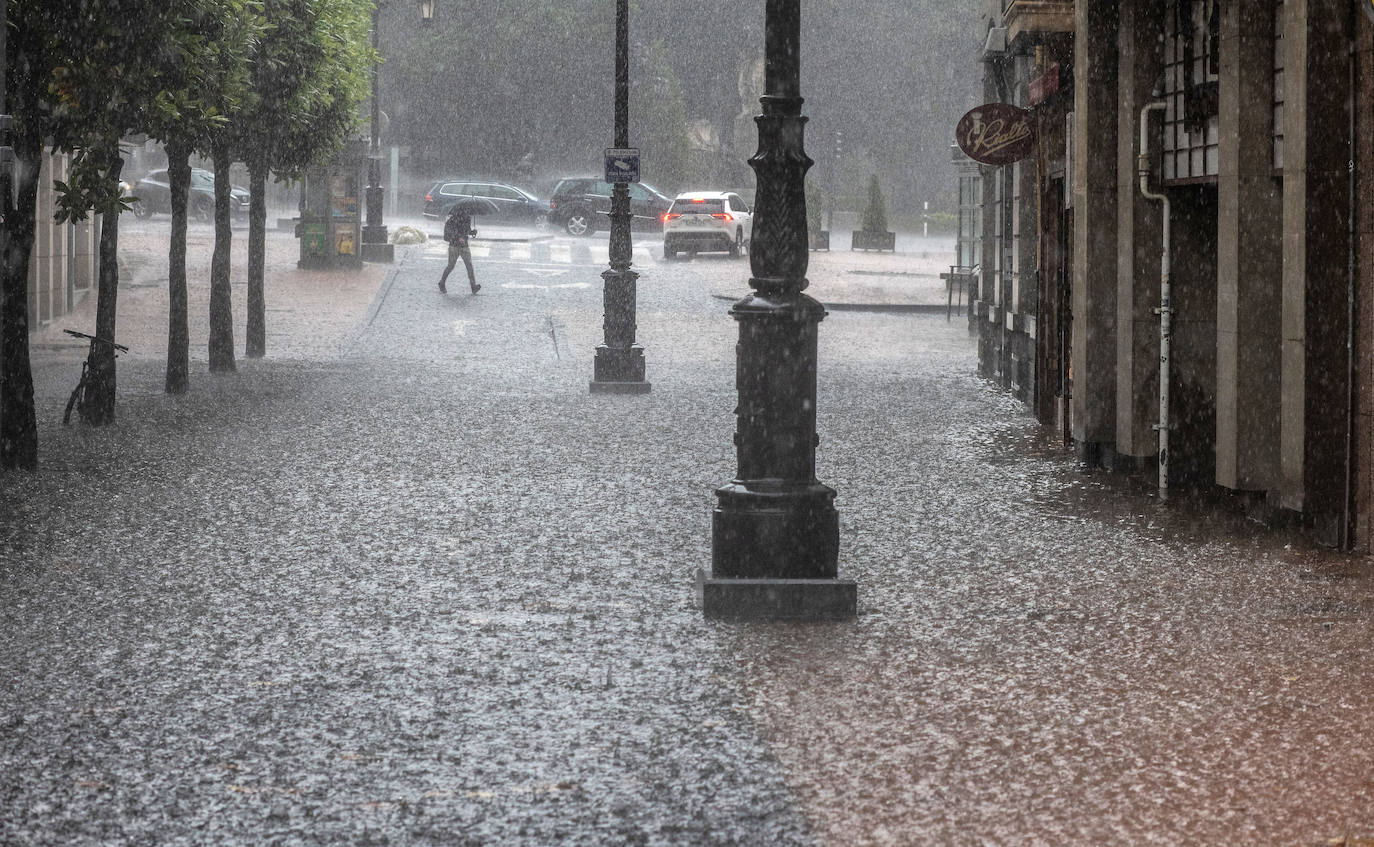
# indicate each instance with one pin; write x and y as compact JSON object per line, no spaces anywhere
{"x":619,"y":364}
{"x":375,"y":246}
{"x":775,"y":532}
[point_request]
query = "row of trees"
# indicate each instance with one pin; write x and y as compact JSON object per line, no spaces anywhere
{"x":273,"y":83}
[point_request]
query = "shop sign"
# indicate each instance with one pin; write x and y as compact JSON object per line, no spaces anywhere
{"x":996,"y":134}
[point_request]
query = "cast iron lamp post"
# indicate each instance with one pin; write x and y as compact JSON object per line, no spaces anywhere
{"x":375,"y":246}
{"x":775,"y":533}
{"x":619,"y":364}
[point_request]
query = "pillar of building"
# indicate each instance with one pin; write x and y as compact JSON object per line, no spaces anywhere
{"x":1249,"y":254}
{"x":1316,"y":198}
{"x":1139,"y":230}
{"x":1364,"y":264}
{"x":1020,"y":315}
{"x":988,"y":303}
{"x":1093,"y":404}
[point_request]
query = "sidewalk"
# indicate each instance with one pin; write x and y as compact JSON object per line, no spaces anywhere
{"x":310,"y":313}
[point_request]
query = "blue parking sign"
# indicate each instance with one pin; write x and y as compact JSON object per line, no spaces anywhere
{"x":622,"y":164}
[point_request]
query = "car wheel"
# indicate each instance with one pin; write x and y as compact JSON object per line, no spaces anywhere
{"x":203,"y":211}
{"x":737,"y":245}
{"x":141,"y":210}
{"x":579,"y":223}
{"x":669,"y":252}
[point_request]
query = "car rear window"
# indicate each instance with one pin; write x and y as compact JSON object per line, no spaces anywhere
{"x":573,"y":186}
{"x":705,"y":207}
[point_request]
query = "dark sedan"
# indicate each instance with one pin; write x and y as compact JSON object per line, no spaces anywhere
{"x":153,"y":194}
{"x":512,"y":204}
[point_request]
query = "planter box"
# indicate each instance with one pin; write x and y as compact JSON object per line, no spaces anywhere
{"x":819,"y":239}
{"x":873,"y":240}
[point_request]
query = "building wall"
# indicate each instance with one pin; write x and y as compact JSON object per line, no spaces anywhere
{"x":1262,"y":382}
{"x":62,"y":267}
{"x":1363,"y":472}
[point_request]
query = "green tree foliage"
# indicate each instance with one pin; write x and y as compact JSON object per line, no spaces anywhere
{"x":490,"y":80}
{"x":197,"y":101}
{"x":309,"y":73}
{"x":658,"y":121}
{"x":232,"y":93}
{"x":80,"y":79}
{"x":875,"y":213}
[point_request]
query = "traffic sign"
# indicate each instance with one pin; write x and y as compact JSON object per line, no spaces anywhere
{"x":622,"y":164}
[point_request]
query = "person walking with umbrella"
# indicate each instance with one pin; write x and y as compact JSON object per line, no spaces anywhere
{"x":457,"y":230}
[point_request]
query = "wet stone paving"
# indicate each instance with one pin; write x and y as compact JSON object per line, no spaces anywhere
{"x":423,"y":588}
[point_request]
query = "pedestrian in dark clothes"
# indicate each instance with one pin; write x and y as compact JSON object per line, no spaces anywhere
{"x":457,"y":230}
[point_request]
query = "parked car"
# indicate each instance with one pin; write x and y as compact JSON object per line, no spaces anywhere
{"x":701,"y":221}
{"x":582,"y":205}
{"x":153,"y":194}
{"x":512,"y":203}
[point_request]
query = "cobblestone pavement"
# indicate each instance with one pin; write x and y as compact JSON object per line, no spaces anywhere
{"x":405,"y":581}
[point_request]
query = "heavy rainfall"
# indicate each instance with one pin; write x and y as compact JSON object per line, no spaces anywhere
{"x":454,"y":456}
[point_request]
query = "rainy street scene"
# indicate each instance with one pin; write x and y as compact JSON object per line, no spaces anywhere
{"x":890,"y":422}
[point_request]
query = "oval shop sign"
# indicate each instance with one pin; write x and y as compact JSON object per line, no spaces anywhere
{"x":996,"y":134}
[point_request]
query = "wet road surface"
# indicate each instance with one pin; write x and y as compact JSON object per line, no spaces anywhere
{"x":406,"y":582}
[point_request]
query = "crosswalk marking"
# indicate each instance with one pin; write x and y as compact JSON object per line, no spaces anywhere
{"x":542,"y":252}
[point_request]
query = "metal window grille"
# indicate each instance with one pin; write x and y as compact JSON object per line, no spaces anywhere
{"x":1191,"y":74}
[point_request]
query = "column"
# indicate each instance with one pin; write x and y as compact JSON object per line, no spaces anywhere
{"x":1093,"y":405}
{"x":1249,"y":253}
{"x":1315,"y":241}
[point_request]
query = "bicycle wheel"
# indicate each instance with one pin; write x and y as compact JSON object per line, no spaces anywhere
{"x":78,"y":395}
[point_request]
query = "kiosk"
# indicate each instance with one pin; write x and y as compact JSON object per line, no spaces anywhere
{"x":330,"y":228}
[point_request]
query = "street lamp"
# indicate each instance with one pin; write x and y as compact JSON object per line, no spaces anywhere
{"x":775,"y":533}
{"x":619,"y":364}
{"x":375,"y":245}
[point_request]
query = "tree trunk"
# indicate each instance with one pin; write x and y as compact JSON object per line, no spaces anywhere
{"x":255,"y":337}
{"x":18,"y":423}
{"x":221,"y":306}
{"x":178,"y":329}
{"x":98,"y":402}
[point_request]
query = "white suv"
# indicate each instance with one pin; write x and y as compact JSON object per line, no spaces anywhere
{"x":707,"y":220}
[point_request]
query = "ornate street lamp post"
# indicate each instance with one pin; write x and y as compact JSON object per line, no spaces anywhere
{"x":376,"y":247}
{"x":775,"y":531}
{"x":619,"y":364}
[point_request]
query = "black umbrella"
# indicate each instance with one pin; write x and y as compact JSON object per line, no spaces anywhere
{"x":477,"y":206}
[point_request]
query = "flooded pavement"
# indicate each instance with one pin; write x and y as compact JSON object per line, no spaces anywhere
{"x":416,"y":586}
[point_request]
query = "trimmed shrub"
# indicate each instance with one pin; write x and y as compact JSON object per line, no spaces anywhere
{"x":875,"y":214}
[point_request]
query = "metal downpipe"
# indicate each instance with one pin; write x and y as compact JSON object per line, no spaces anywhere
{"x":1166,"y":309}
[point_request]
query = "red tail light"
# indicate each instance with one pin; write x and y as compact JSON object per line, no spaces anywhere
{"x":670,"y":216}
{"x":429,"y":198}
{"x":723,"y":216}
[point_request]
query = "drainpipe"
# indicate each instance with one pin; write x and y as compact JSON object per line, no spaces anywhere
{"x":1166,"y":309}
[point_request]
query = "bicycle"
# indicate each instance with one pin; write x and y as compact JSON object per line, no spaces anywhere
{"x":78,"y":398}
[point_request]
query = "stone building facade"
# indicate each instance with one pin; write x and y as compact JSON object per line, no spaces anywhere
{"x":63,"y":266}
{"x":1258,"y":132}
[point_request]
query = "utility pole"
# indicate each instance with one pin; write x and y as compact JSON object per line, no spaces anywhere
{"x":619,"y":364}
{"x":775,"y":534}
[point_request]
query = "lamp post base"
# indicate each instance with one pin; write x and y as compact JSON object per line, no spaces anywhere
{"x":382,"y":253}
{"x":619,"y":371}
{"x":780,"y":599}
